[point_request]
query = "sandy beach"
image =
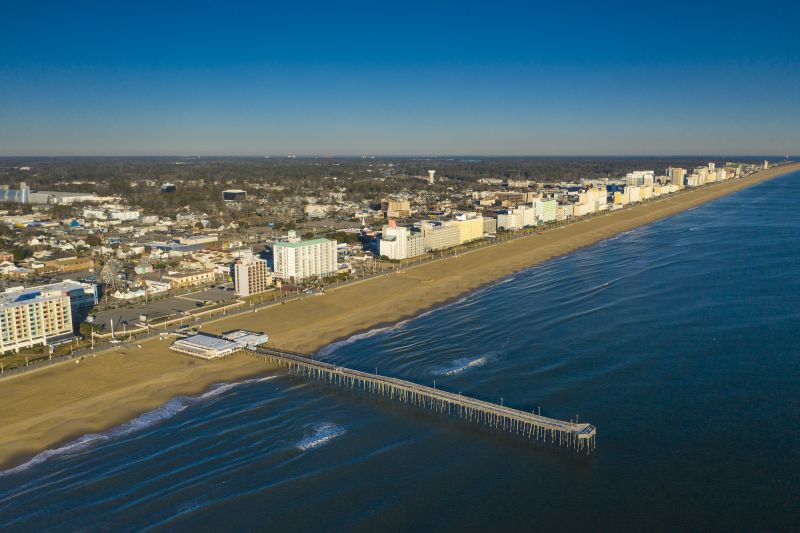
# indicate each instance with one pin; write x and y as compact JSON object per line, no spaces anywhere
{"x":56,"y":404}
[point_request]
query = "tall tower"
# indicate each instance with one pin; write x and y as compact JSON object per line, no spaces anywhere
{"x":24,"y":194}
{"x":430,"y":176}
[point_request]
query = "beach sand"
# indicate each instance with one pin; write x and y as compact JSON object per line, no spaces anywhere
{"x":56,"y":404}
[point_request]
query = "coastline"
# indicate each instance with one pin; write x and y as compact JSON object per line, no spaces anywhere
{"x":55,"y":405}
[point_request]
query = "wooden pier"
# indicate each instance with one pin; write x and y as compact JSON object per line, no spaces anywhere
{"x":548,"y":431}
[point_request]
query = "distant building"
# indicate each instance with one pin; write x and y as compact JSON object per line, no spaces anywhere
{"x":470,"y":227}
{"x":396,"y":209}
{"x":640,"y":177}
{"x":234,"y":195}
{"x":168,"y":188}
{"x":591,"y":200}
{"x":68,"y":264}
{"x":129,"y":215}
{"x":26,"y":196}
{"x":194,"y":278}
{"x":198,"y":239}
{"x":438,"y":235}
{"x":398,"y":242}
{"x":676,"y":175}
{"x":251,"y":276}
{"x":297,"y":259}
{"x":545,"y":210}
{"x":521,"y":217}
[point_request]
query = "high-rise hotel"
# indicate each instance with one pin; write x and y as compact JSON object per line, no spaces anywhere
{"x":43,"y":315}
{"x":298,"y":259}
{"x":251,"y":275}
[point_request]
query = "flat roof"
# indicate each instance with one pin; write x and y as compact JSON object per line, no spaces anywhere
{"x":282,"y":244}
{"x":208,"y":342}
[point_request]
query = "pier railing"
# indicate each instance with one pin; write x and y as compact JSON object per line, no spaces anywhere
{"x":541,"y":429}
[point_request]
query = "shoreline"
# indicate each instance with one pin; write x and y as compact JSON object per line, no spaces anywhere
{"x":55,"y":405}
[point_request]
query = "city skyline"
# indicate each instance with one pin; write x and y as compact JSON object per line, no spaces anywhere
{"x":516,"y":80}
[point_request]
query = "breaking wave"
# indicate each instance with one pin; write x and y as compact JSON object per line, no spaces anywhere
{"x":330,"y":349}
{"x":319,"y":435}
{"x":463,"y":364}
{"x":141,"y":422}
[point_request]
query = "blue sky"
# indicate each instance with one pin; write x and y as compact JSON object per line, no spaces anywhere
{"x":404,"y":78}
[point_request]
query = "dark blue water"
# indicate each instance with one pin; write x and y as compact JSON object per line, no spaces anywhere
{"x":679,"y":341}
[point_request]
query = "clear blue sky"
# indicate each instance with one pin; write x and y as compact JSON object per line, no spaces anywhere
{"x":404,"y":77}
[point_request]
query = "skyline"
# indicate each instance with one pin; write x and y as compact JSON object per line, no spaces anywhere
{"x":363,"y":79}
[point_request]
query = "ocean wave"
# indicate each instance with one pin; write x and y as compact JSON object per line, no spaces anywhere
{"x":141,"y":422}
{"x":332,"y":348}
{"x":465,"y":363}
{"x":320,"y":434}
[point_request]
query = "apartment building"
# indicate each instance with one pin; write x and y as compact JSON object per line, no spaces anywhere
{"x":297,"y":259}
{"x":470,"y":227}
{"x":34,"y":317}
{"x":398,"y":242}
{"x":251,"y":276}
{"x":438,"y":235}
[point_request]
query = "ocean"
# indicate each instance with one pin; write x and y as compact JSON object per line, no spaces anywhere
{"x":678,"y":341}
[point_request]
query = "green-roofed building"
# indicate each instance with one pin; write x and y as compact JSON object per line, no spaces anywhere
{"x":296,"y":259}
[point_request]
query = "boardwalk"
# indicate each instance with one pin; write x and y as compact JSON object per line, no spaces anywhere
{"x":549,"y":431}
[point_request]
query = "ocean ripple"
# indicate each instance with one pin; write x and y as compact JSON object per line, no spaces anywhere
{"x":141,"y":422}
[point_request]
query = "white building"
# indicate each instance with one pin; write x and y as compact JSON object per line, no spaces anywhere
{"x":296,"y":259}
{"x":640,"y":177}
{"x":205,"y":346}
{"x":251,"y":276}
{"x":127,"y":215}
{"x":545,"y":210}
{"x":518,"y":218}
{"x":198,"y":239}
{"x":676,"y":175}
{"x":34,"y":317}
{"x":99,"y":214}
{"x":398,"y":242}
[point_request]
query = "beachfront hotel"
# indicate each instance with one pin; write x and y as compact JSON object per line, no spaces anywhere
{"x":34,"y":317}
{"x":251,"y":275}
{"x":398,"y":242}
{"x":439,"y":235}
{"x":297,"y":259}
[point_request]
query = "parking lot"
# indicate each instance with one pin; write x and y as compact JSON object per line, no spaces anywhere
{"x":210,"y":295}
{"x":154,"y":310}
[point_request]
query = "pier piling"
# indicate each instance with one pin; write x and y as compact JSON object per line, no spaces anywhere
{"x":580,"y":437}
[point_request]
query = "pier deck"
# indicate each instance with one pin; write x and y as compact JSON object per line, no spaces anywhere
{"x":550,"y":431}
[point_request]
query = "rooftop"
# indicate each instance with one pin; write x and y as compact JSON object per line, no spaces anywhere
{"x":207,"y":342}
{"x":301,"y":244}
{"x":20,"y":295}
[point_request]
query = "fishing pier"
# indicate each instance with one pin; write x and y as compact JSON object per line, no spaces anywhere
{"x":580,"y":437}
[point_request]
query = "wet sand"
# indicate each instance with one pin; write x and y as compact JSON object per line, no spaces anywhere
{"x":56,"y":404}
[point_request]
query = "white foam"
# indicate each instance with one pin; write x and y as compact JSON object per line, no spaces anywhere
{"x":333,"y":347}
{"x":143,"y":421}
{"x":463,"y":364}
{"x":321,"y":434}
